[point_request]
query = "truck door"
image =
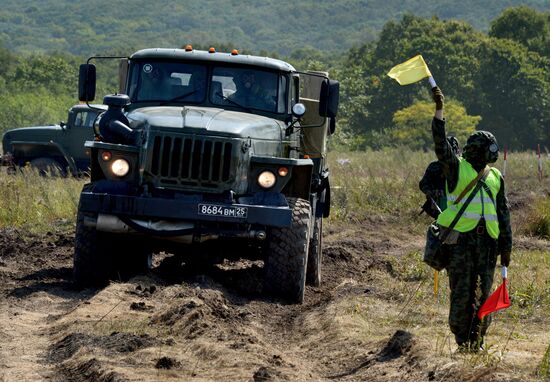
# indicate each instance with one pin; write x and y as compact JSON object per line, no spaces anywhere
{"x":79,"y":130}
{"x":314,"y":133}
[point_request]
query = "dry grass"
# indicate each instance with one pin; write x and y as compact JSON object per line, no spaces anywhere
{"x":37,"y":203}
{"x":386,"y":183}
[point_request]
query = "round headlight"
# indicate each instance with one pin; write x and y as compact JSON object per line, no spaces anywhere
{"x":266,"y":179}
{"x":120,"y":167}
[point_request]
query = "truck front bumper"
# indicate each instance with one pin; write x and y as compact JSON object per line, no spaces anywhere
{"x":188,"y":208}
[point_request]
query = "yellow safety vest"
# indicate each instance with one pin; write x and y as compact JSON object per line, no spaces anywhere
{"x":480,"y":206}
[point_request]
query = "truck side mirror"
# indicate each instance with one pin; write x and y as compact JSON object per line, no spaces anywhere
{"x":86,"y":82}
{"x":329,"y":99}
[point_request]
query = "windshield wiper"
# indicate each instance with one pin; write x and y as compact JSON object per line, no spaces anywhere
{"x":233,"y":102}
{"x":181,"y":97}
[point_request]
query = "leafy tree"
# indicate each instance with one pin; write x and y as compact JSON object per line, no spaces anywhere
{"x":34,"y":108}
{"x":6,"y":60}
{"x":497,"y":79}
{"x":524,"y":25}
{"x":412,"y":124}
{"x":515,"y":88}
{"x":447,"y":47}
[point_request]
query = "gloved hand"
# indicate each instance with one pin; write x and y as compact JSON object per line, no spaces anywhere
{"x":438,"y":98}
{"x":505,"y":259}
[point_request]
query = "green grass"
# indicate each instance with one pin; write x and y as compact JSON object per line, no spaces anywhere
{"x":36,"y":203}
{"x":380,"y":183}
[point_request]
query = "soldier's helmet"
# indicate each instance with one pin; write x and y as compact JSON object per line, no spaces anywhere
{"x":481,"y":147}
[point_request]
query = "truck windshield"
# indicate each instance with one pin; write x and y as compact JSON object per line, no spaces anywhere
{"x":248,"y":88}
{"x":168,"y":82}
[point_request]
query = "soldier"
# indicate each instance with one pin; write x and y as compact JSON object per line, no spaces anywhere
{"x":484,"y":230}
{"x":254,"y":90}
{"x":432,"y":184}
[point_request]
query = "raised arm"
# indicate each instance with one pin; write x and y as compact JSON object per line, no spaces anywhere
{"x":443,"y":149}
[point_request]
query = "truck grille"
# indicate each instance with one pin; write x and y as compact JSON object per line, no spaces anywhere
{"x":191,"y":160}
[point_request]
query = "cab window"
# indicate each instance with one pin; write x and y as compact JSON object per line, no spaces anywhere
{"x":84,"y":119}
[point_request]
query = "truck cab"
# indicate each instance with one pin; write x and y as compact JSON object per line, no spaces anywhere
{"x":201,"y":147}
{"x":53,"y":148}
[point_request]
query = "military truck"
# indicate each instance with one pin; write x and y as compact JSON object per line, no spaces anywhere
{"x":55,"y":148}
{"x":204,"y":149}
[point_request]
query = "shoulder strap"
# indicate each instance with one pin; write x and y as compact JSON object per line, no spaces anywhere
{"x":482,"y":174}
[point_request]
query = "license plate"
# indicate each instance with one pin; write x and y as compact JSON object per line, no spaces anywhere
{"x":217,"y":210}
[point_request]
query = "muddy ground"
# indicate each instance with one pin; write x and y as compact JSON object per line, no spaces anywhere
{"x":173,"y":324}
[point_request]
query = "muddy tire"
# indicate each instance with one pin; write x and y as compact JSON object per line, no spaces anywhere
{"x":314,"y":257}
{"x":100,"y":256}
{"x":48,"y":167}
{"x":92,"y":263}
{"x":286,"y":254}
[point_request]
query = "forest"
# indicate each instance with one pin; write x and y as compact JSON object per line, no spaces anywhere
{"x":495,"y":77}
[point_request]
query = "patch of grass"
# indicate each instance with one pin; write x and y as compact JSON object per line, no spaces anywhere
{"x":408,"y":303}
{"x":538,"y":220}
{"x":35,"y":202}
{"x":385,"y":182}
{"x":544,"y":367}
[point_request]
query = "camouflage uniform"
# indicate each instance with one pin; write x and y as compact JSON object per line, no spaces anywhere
{"x":473,"y":257}
{"x":432,"y":184}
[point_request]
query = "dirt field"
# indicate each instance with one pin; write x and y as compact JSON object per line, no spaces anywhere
{"x":217,"y":326}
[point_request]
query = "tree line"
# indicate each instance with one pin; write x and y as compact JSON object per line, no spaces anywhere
{"x":497,"y":81}
{"x":501,"y":78}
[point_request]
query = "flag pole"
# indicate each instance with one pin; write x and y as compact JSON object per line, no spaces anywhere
{"x":432,"y":82}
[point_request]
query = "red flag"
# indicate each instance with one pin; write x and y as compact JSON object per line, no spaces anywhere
{"x":497,"y":301}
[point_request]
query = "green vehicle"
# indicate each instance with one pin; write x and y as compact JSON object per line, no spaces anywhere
{"x":54,"y":148}
{"x":203,"y":152}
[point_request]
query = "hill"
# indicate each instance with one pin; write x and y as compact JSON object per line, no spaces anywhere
{"x":93,"y":27}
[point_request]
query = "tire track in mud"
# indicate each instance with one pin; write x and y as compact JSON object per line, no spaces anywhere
{"x":179,"y":324}
{"x":33,"y":291}
{"x":51,"y":330}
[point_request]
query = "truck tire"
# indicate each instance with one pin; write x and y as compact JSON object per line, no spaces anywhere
{"x":93,"y":262}
{"x":48,"y":166}
{"x":314,"y":257}
{"x":286,"y":254}
{"x":100,"y":256}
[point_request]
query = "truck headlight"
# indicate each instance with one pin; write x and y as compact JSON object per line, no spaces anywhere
{"x":120,"y":167}
{"x":266,"y":179}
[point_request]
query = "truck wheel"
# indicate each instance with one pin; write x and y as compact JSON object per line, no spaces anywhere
{"x":48,"y":166}
{"x":133,"y":256}
{"x":100,"y":256}
{"x":314,"y":257}
{"x":286,"y":254}
{"x":92,"y":262}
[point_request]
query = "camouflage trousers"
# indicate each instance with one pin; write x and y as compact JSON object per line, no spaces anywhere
{"x":471,"y":268}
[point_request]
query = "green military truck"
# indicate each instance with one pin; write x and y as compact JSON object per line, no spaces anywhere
{"x":202,"y":149}
{"x":55,"y":148}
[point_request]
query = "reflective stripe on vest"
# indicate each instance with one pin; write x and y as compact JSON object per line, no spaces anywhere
{"x":480,"y":206}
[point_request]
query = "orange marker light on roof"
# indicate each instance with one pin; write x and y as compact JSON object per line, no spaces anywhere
{"x":212,"y":50}
{"x":234,"y":52}
{"x":188,"y":48}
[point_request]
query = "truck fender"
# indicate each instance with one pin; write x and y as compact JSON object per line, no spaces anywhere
{"x":29,"y":150}
{"x":300,"y":184}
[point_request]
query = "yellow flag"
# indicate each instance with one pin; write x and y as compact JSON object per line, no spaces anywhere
{"x":410,"y":71}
